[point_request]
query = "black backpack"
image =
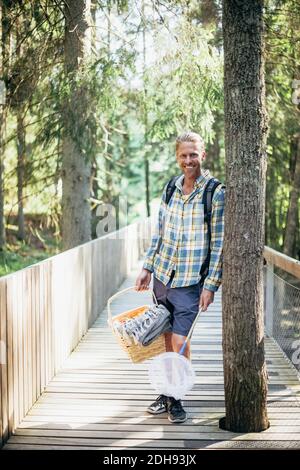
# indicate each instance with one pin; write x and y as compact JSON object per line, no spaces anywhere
{"x":208,"y":193}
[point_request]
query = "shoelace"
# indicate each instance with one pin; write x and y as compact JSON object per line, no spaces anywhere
{"x":162,"y":398}
{"x":176,"y":405}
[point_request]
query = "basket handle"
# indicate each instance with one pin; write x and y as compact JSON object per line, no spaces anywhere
{"x":109,"y":315}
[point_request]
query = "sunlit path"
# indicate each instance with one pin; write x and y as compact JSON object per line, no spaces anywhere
{"x":98,"y":399}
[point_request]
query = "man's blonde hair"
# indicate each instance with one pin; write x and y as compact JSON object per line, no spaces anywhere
{"x":189,"y":136}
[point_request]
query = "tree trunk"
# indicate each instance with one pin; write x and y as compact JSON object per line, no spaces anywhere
{"x":76,"y":168}
{"x":213,"y":159}
{"x":245,"y":374}
{"x":21,"y":145}
{"x":94,"y":165}
{"x":20,"y":94}
{"x":2,"y":222}
{"x":271,"y":231}
{"x":291,"y":224}
{"x":146,"y":154}
{"x":4,"y":66}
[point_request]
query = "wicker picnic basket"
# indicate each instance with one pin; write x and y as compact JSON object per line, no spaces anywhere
{"x":137,"y":353}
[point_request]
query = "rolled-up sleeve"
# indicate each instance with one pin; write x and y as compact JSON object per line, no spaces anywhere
{"x":214,"y":277}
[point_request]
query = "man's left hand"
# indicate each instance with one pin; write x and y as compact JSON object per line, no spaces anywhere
{"x":206,"y":298}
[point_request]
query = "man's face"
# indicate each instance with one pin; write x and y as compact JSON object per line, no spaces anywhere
{"x":189,"y":156}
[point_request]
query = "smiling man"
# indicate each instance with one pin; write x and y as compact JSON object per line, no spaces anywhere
{"x":185,"y":255}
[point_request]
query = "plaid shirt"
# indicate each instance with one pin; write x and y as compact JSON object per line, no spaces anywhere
{"x":180,"y":241}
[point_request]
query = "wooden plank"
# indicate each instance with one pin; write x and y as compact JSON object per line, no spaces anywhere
{"x":20,"y":344}
{"x":37,"y":287}
{"x":30,"y":338}
{"x":33,"y":335}
{"x":96,"y":417}
{"x":160,"y":433}
{"x":196,"y":445}
{"x":140,"y":374}
{"x":142,"y":416}
{"x":47,"y":325}
{"x":25,"y":332}
{"x":16,"y":358}
{"x":135,"y":440}
{"x":113,"y":394}
{"x":3,"y":364}
{"x":42,"y":326}
{"x":10,"y":362}
{"x":51,"y":322}
{"x":131,"y":411}
{"x":143,"y":423}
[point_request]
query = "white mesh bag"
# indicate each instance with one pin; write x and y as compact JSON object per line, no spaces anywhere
{"x":171,"y":373}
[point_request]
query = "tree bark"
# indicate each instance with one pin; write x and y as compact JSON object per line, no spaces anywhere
{"x":245,"y":375}
{"x":146,"y":154}
{"x":21,"y":94}
{"x":76,"y":168}
{"x":4,"y":66}
{"x":291,"y":224}
{"x":21,"y":146}
{"x":94,"y":164}
{"x":213,"y":159}
{"x":2,"y":220}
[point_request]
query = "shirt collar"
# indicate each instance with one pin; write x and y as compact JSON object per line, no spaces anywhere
{"x":200,"y":181}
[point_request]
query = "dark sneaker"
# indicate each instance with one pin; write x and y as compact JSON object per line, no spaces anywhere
{"x":158,"y":406}
{"x":175,"y":411}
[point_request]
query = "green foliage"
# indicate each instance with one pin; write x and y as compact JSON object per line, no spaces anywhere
{"x":20,"y":255}
{"x":185,"y":85}
{"x":128,"y":103}
{"x":282,"y":67}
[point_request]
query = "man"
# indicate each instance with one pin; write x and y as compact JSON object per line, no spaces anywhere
{"x":178,"y":251}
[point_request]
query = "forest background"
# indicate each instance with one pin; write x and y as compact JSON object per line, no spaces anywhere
{"x":108,"y":108}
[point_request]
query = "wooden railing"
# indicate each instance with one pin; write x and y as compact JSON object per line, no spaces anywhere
{"x":287,"y":264}
{"x":47,"y":308}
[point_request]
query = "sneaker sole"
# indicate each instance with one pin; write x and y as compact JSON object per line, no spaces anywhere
{"x":177,"y":420}
{"x":156,"y":412}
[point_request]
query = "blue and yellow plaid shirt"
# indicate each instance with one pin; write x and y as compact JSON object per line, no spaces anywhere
{"x":180,"y":241}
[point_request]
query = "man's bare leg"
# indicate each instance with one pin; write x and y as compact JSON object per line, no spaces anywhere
{"x":174,"y":343}
{"x":177,"y":343}
{"x":168,"y":342}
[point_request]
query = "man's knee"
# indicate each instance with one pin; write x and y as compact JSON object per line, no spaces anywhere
{"x":177,"y":341}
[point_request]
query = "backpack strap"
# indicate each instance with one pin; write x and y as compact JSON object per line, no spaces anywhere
{"x":171,"y":188}
{"x":208,"y":194}
{"x":169,"y":192}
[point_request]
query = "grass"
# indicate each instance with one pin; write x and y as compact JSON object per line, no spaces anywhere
{"x":19,"y":255}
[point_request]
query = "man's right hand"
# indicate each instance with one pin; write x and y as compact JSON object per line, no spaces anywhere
{"x":143,"y":280}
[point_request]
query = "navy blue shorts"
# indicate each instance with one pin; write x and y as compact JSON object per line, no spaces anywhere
{"x":182,"y":302}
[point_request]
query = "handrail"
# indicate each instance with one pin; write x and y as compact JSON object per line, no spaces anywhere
{"x":288,"y":264}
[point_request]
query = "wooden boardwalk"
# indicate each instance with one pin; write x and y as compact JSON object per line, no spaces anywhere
{"x":98,"y":399}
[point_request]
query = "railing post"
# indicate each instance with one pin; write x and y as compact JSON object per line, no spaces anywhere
{"x":270,"y":299}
